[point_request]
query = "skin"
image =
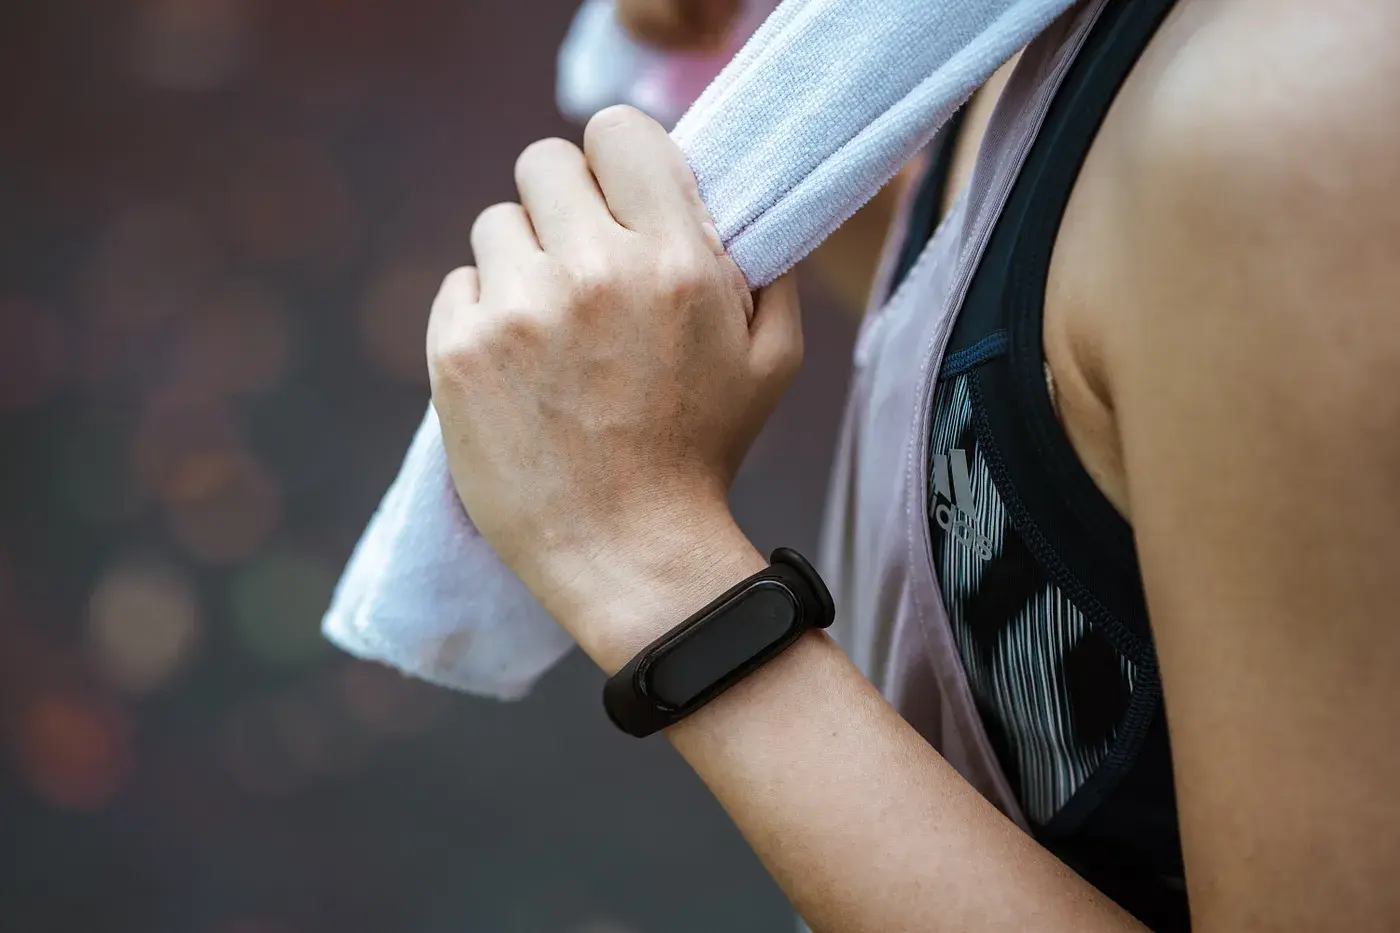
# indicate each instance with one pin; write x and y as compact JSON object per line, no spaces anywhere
{"x":679,"y":25}
{"x":844,"y":265}
{"x":1221,"y":325}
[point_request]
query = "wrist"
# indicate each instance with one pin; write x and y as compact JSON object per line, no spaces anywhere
{"x":619,"y":600}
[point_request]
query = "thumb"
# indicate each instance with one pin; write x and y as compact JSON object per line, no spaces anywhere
{"x":775,"y":350}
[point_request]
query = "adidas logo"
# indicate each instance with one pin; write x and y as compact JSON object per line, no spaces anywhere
{"x":955,"y":510}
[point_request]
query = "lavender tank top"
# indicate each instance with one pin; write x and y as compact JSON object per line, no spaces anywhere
{"x":1039,"y":571}
{"x":876,"y":547}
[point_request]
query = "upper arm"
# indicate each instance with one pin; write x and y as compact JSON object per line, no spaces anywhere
{"x":1256,"y":386}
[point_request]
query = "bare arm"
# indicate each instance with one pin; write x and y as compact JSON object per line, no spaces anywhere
{"x":1254,"y":373}
{"x":865,"y":827}
{"x":1253,"y":368}
{"x":1255,"y":383}
{"x":592,"y":441}
{"x":1255,"y":376}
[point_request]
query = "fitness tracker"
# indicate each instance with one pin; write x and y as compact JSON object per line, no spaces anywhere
{"x":747,"y":626}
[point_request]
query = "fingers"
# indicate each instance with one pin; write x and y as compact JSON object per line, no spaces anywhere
{"x":505,"y":247}
{"x":645,"y":179}
{"x":459,"y":291}
{"x":776,"y":348}
{"x":560,"y":196}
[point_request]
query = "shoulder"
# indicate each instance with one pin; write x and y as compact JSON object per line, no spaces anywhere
{"x":1247,"y":289}
{"x":1237,"y":220}
{"x":1251,"y":177}
{"x":1246,"y":112}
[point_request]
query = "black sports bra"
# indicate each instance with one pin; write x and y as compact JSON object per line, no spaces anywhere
{"x":1038,"y":570}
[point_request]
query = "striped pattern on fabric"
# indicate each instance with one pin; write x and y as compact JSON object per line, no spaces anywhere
{"x":1051,"y":689}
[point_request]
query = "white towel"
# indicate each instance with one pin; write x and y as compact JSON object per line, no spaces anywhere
{"x":816,"y":112}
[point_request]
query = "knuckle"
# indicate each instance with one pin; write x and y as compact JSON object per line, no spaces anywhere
{"x":486,"y":347}
{"x":683,"y":272}
{"x":444,"y":332}
{"x":514,"y":333}
{"x":451,"y":363}
{"x":457,"y":284}
{"x":593,"y":277}
{"x":789,"y":357}
{"x":610,"y":122}
{"x":494,"y":215}
{"x":516,"y":324}
{"x":541,"y":154}
{"x":796,"y":351}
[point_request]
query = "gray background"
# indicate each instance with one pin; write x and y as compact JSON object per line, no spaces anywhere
{"x":223,"y":221}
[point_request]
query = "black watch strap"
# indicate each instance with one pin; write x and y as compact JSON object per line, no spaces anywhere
{"x":744,"y":628}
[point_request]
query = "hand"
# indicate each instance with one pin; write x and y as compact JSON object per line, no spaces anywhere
{"x":603,"y":370}
{"x":681,"y":25}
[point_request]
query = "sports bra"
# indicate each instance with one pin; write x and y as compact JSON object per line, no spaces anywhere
{"x":1038,"y":571}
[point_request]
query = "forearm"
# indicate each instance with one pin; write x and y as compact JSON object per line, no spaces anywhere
{"x":592,"y":441}
{"x":864,"y":826}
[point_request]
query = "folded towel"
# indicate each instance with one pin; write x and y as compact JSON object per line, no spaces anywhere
{"x":816,"y":112}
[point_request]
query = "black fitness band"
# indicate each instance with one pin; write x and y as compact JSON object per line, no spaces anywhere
{"x":747,"y":626}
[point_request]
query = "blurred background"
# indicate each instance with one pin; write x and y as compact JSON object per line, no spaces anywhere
{"x":223,"y":224}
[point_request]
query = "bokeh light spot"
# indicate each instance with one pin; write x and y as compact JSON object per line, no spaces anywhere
{"x":188,"y":451}
{"x":276,"y":745}
{"x":235,"y":342}
{"x":75,"y":752}
{"x":387,"y":702}
{"x":287,"y":200}
{"x":143,"y":624}
{"x":227,"y":522}
{"x":149,"y":264}
{"x":278,"y":601}
{"x":393,"y":319}
{"x":190,"y":45}
{"x":184,"y":446}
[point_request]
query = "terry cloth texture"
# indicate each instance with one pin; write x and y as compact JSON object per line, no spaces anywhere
{"x":812,"y":117}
